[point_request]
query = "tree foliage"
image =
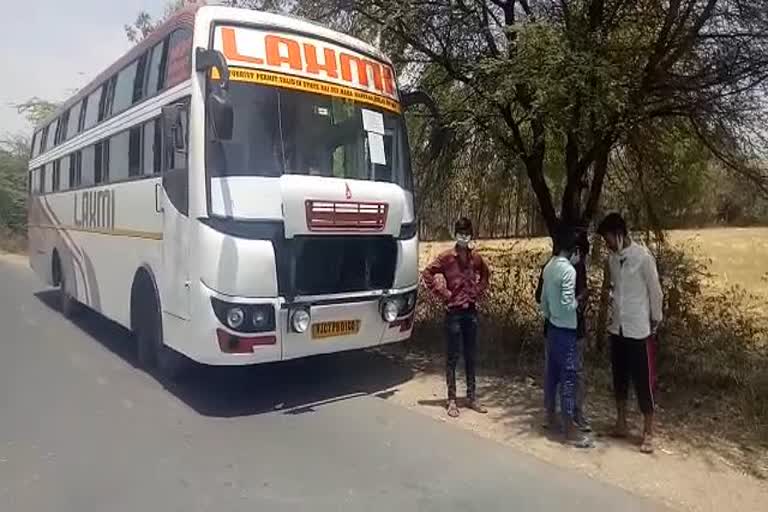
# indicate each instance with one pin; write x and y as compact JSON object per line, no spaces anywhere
{"x":36,"y":110}
{"x":145,"y":24}
{"x":559,"y":86}
{"x":13,"y":183}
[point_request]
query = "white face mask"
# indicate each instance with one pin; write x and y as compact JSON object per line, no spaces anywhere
{"x":463,"y":240}
{"x":619,"y":243}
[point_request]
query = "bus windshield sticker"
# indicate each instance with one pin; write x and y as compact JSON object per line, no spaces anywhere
{"x":311,"y":86}
{"x":305,"y":57}
{"x":376,"y":147}
{"x":373,"y":121}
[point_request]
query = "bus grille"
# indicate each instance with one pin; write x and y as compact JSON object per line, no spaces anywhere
{"x":316,"y":265}
{"x":339,"y":216}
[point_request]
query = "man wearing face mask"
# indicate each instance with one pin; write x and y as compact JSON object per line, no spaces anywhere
{"x":636,"y":313}
{"x":465,"y":277}
{"x":559,"y":305}
{"x":579,"y":261}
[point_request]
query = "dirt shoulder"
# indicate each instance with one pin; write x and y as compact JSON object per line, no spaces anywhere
{"x":16,"y":259}
{"x":689,"y":471}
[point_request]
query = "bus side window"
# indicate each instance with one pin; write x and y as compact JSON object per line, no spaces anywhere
{"x":83,"y":114}
{"x":64,"y":183}
{"x":151,"y":145}
{"x":43,"y":139}
{"x":74,"y":171}
{"x":175,"y":139}
{"x":41,"y":183}
{"x":33,"y":148}
{"x":56,"y":176}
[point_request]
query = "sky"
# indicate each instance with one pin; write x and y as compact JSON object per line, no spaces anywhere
{"x":52,"y":47}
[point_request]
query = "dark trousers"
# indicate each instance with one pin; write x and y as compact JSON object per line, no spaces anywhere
{"x":461,"y":334}
{"x":632,"y":361}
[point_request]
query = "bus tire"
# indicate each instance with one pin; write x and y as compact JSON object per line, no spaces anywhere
{"x":152,"y":353}
{"x":68,"y":305}
{"x":146,"y":339}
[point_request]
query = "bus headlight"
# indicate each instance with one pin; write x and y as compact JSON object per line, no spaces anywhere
{"x":245,"y":317}
{"x":235,"y":317}
{"x":260,"y":318}
{"x":390,"y":309}
{"x":300,"y":320}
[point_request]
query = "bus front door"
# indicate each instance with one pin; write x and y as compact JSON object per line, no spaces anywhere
{"x":176,"y":223}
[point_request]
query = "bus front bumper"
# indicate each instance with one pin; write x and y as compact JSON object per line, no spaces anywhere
{"x":336,"y":324}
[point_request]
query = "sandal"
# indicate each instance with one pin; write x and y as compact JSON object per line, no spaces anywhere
{"x":477,"y":407}
{"x":647,"y":446}
{"x":453,"y":409}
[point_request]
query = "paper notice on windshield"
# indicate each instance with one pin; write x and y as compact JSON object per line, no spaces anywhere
{"x":376,"y":147}
{"x":373,"y":122}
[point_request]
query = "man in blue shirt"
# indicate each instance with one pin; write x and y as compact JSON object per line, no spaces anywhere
{"x":559,"y":305}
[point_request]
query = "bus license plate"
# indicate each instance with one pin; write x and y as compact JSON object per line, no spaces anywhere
{"x":337,"y":328}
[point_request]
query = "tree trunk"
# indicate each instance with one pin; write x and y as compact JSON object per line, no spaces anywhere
{"x":601,"y":325}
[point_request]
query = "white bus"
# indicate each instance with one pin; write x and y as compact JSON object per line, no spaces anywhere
{"x":236,"y":189}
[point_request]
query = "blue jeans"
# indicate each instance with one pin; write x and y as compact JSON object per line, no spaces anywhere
{"x":563,"y":368}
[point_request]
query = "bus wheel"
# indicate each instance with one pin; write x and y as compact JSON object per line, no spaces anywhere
{"x":67,"y":303}
{"x":153,"y":354}
{"x":148,"y":333}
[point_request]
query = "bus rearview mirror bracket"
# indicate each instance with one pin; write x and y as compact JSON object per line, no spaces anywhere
{"x":220,"y":111}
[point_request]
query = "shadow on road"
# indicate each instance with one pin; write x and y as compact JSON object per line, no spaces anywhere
{"x":295,"y":387}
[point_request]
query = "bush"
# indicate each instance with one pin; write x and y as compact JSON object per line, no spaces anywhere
{"x":12,"y":241}
{"x":710,"y":338}
{"x":713,"y":337}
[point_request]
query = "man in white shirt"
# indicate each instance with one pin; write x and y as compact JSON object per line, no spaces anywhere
{"x":636,"y":313}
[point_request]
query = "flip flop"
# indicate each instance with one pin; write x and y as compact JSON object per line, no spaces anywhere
{"x":453,"y":410}
{"x":582,"y":442}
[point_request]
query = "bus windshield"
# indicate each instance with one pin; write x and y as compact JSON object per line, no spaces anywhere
{"x":281,"y":131}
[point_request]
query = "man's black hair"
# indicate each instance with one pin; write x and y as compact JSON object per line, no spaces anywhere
{"x":612,"y":223}
{"x":565,"y":239}
{"x":463,"y":225}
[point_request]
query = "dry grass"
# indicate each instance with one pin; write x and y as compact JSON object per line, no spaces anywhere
{"x":735,"y":256}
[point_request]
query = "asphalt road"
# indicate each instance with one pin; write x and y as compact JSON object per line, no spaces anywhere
{"x":83,"y":429}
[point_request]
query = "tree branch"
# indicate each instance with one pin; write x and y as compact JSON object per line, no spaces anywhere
{"x":596,"y":188}
{"x":757,"y":179}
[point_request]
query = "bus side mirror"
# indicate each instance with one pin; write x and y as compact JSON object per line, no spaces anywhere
{"x":219,"y":104}
{"x":222,"y":115}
